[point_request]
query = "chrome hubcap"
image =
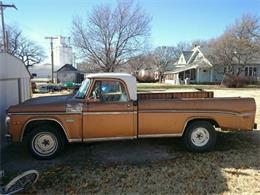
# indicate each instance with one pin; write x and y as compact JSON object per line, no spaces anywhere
{"x":200,"y":136}
{"x":45,"y":143}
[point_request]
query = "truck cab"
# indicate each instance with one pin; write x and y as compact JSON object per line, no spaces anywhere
{"x":110,"y":107}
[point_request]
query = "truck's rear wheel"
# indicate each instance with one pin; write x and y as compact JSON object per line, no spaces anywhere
{"x":45,"y":142}
{"x":200,"y":136}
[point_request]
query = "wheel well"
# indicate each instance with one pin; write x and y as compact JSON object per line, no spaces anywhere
{"x":211,"y":121}
{"x":35,"y":123}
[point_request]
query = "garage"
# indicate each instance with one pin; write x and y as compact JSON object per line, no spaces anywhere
{"x":14,"y":85}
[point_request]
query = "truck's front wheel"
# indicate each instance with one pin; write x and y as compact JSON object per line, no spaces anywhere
{"x":45,"y":142}
{"x":200,"y":136}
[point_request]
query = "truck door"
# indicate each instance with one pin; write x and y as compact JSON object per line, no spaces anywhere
{"x":108,"y":112}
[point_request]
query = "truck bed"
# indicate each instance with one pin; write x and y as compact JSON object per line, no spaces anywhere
{"x":175,"y":95}
{"x":159,"y":116}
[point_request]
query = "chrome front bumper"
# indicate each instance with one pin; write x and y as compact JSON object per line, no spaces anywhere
{"x":7,"y":135}
{"x":7,"y":127}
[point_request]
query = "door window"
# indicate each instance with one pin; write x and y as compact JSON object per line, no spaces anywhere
{"x":109,"y":91}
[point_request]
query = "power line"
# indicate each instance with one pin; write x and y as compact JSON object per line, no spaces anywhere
{"x":52,"y":63}
{"x":2,"y":6}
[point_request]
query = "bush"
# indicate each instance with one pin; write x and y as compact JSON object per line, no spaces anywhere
{"x":234,"y":81}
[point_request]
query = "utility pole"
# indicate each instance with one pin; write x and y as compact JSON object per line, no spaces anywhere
{"x":52,"y":63}
{"x":2,"y":6}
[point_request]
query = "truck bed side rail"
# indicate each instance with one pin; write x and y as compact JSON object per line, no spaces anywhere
{"x":175,"y":95}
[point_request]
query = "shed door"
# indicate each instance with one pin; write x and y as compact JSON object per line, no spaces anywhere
{"x":9,"y":95}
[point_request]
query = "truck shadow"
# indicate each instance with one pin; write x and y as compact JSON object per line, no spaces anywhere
{"x":238,"y":150}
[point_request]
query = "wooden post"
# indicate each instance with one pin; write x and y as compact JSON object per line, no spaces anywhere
{"x":211,"y":75}
{"x":198,"y":75}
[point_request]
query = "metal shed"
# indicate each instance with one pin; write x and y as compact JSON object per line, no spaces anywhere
{"x":68,"y":73}
{"x":15,"y":86}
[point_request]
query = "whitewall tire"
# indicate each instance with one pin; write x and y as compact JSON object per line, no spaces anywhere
{"x":200,"y":136}
{"x":45,"y":142}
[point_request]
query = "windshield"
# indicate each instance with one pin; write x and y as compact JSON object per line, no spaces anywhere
{"x":83,"y":89}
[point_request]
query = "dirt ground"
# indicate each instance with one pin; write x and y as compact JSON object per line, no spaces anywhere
{"x":148,"y":166}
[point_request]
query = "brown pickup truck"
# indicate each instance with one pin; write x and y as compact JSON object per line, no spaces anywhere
{"x":107,"y":107}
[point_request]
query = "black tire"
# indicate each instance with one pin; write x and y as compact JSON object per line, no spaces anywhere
{"x":200,"y":136}
{"x":45,"y":142}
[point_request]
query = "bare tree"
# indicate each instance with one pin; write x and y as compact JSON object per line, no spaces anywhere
{"x":163,"y":56}
{"x":143,"y":61}
{"x":239,"y":45}
{"x":88,"y":67}
{"x":246,"y":36}
{"x":221,"y":53}
{"x":180,"y":47}
{"x":111,"y":37}
{"x":248,"y":26}
{"x":28,"y":51}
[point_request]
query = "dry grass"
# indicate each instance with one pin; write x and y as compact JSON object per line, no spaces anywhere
{"x":233,"y":168}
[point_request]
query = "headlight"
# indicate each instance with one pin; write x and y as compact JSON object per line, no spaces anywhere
{"x":7,"y":122}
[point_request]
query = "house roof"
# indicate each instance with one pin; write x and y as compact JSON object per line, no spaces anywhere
{"x":187,"y":55}
{"x":253,"y":61}
{"x":68,"y":67}
{"x":193,"y":57}
{"x":170,"y":67}
{"x":206,"y":51}
{"x":256,"y":60}
{"x":199,"y":64}
{"x":180,"y":69}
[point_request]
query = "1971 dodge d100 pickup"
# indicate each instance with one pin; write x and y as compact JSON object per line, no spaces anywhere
{"x":107,"y":107}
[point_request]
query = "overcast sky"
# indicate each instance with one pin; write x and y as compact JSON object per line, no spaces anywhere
{"x":173,"y":20}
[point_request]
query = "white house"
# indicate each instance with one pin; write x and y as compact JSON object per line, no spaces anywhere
{"x":192,"y":65}
{"x":198,"y":69}
{"x":15,"y":86}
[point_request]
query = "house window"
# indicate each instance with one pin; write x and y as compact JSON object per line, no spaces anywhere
{"x":239,"y":70}
{"x":250,"y":71}
{"x":254,"y":71}
{"x":246,"y":71}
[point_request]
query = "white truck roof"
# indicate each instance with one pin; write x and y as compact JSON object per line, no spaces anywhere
{"x":127,"y":78}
